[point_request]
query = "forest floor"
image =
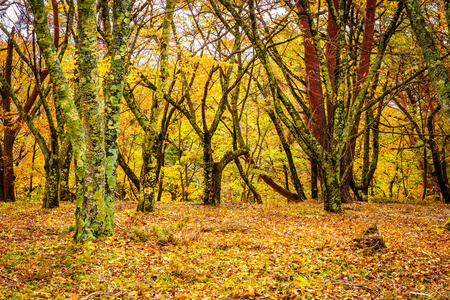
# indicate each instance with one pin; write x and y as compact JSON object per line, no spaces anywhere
{"x":235,"y":251}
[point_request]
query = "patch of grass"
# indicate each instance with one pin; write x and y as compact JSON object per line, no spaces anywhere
{"x":69,"y":228}
{"x":138,"y":235}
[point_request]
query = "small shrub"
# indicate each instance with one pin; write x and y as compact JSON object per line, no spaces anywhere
{"x":162,"y":235}
{"x":138,"y":235}
{"x":70,"y":228}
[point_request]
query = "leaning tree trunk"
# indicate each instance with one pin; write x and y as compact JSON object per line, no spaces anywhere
{"x":431,"y":55}
{"x":287,"y":150}
{"x":244,"y":176}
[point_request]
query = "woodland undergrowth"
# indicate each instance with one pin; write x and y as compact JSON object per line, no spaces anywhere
{"x":234,"y":251}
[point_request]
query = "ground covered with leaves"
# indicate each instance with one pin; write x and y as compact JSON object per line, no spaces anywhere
{"x":235,"y":251}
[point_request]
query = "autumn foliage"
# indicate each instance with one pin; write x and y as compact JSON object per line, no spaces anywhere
{"x":224,"y":149}
{"x":235,"y":251}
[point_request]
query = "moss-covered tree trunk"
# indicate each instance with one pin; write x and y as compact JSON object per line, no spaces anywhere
{"x":113,"y":94}
{"x":151,"y":159}
{"x":435,"y":64}
{"x":332,"y":187}
{"x":93,"y":218}
{"x":61,"y":86}
{"x":65,"y":161}
{"x":151,"y":167}
{"x":51,"y":193}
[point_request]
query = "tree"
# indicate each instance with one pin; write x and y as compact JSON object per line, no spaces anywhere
{"x":343,"y":117}
{"x":94,"y":215}
{"x":54,"y":156}
{"x":438,"y":72}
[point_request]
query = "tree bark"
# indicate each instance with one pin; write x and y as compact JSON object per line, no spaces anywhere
{"x":247,"y":181}
{"x":287,"y":150}
{"x":64,"y":97}
{"x":51,"y":195}
{"x":435,"y":64}
{"x":363,"y":71}
{"x":92,"y":216}
{"x":151,"y":156}
{"x":437,"y":162}
{"x":332,"y":187}
{"x":291,"y":197}
{"x":113,"y":94}
{"x":9,"y":133}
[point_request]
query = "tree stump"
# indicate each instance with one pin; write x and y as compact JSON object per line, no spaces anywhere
{"x":370,"y":239}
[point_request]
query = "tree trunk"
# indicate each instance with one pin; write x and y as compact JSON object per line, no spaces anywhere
{"x":363,"y":71}
{"x":153,"y":141}
{"x":93,"y":217}
{"x":51,"y":199}
{"x":291,"y":197}
{"x":332,"y":187}
{"x":113,"y":95}
{"x":151,"y":167}
{"x":313,"y":80}
{"x":217,"y":184}
{"x":314,"y":177}
{"x":244,"y":177}
{"x":287,"y":150}
{"x":9,"y":133}
{"x":2,"y":190}
{"x":209,"y":171}
{"x":437,"y":162}
{"x":435,"y":64}
{"x":160,"y":186}
{"x":64,"y":190}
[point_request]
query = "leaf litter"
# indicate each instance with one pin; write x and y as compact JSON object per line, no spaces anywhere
{"x":234,"y":251}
